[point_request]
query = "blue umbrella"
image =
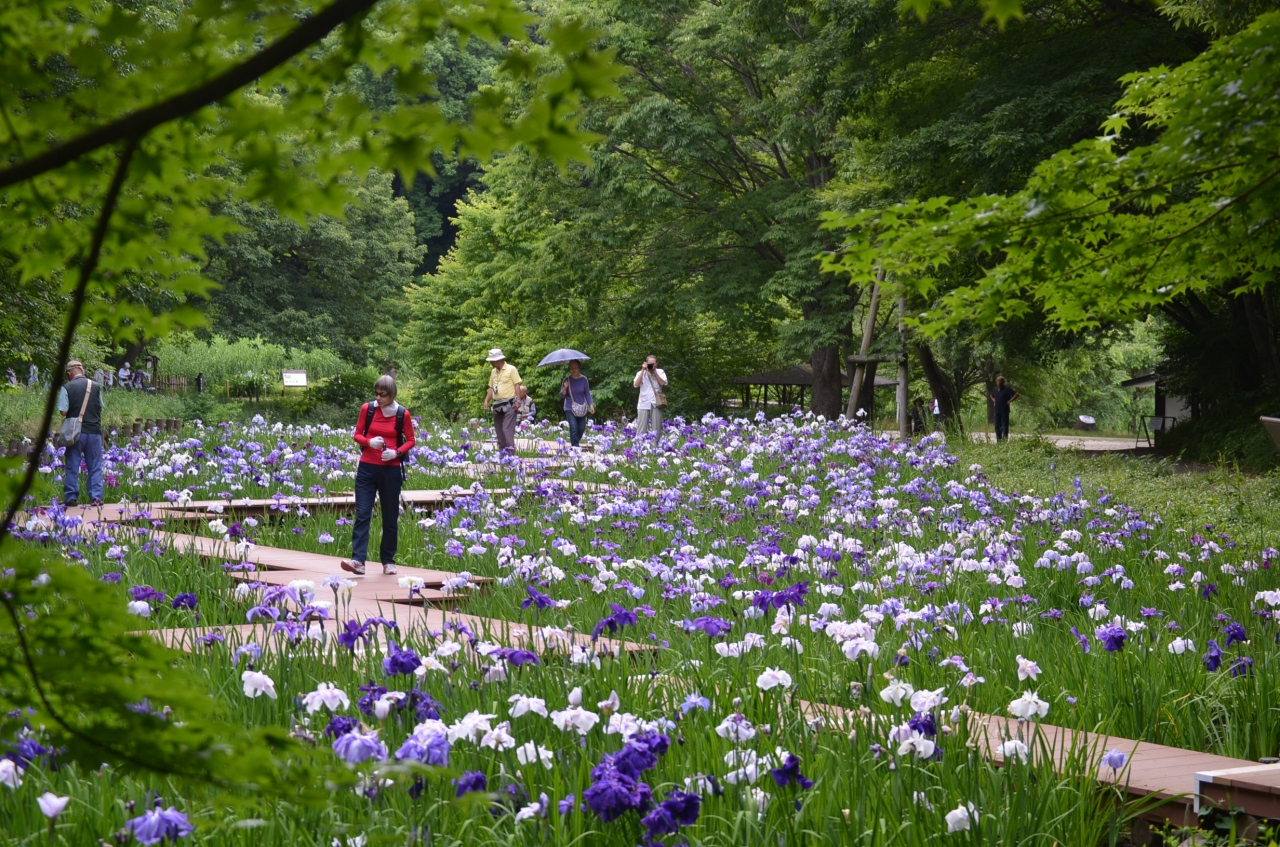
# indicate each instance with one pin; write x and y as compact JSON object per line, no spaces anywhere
{"x":564,"y":354}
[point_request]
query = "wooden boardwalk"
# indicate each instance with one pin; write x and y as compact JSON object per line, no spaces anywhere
{"x":1178,"y":785}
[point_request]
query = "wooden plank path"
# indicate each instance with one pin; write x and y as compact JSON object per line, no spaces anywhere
{"x":1178,"y":784}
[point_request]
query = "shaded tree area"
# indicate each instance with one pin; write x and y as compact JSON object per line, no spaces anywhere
{"x":327,"y":282}
{"x":958,"y":108}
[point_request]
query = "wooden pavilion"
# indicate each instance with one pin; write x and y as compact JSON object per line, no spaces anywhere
{"x":785,"y":387}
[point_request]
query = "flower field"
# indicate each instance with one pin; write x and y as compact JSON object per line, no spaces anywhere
{"x":764,"y":572}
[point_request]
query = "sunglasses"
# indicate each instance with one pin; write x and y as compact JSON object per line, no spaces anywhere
{"x":382,"y":393}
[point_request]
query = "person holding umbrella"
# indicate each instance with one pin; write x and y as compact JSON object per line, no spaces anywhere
{"x":576,"y":391}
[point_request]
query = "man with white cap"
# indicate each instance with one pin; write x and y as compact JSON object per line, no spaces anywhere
{"x":505,"y":392}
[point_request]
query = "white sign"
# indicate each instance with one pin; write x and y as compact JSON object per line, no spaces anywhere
{"x":295,"y":379}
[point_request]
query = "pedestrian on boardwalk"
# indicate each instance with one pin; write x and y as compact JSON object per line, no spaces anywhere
{"x":576,"y":391}
{"x":506,"y":390}
{"x":80,"y":396}
{"x":1001,"y":397}
{"x":384,"y":431}
{"x":650,"y":379}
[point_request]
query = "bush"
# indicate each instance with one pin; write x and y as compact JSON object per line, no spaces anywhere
{"x":21,"y":411}
{"x":348,"y":389}
{"x":1229,"y":433}
{"x":249,"y":365}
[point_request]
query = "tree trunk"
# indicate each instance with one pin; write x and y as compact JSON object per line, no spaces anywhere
{"x":858,"y":373}
{"x":1262,"y":333}
{"x":867,"y":396}
{"x":940,"y":384}
{"x":827,"y":388}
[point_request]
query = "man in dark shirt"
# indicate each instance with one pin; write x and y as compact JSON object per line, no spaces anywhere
{"x":1002,"y":397}
{"x":89,"y":447}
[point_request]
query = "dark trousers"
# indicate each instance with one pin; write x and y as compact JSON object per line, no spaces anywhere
{"x":504,"y":426}
{"x":384,"y":482}
{"x":1002,"y":424}
{"x":577,"y":426}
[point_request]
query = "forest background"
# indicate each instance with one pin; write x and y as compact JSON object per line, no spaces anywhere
{"x":746,"y":141}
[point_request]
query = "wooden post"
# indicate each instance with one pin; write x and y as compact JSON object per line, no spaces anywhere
{"x":860,"y":369}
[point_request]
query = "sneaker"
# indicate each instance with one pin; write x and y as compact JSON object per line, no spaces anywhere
{"x":389,"y":568}
{"x":71,"y":504}
{"x":356,"y":568}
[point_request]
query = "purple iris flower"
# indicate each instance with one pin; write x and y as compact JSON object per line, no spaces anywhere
{"x":621,"y":617}
{"x":1242,"y":666}
{"x":1111,"y":636}
{"x":400,"y":661}
{"x":354,"y":748}
{"x":1084,"y":642}
{"x":352,"y":634}
{"x":678,"y":809}
{"x":211,"y":638}
{"x":1235,"y":634}
{"x":712,"y":626}
{"x":536,"y":599}
{"x":1114,"y":759}
{"x":695,"y":701}
{"x":262,"y":611}
{"x":793,"y":596}
{"x":471,"y":781}
{"x":147,"y":593}
{"x":156,"y":825}
{"x":1210,"y":589}
{"x":566,"y":805}
{"x":790,"y":770}
{"x":340,"y":726}
{"x":372,"y":692}
{"x":516,"y":656}
{"x":613,"y":794}
{"x":1213,"y":657}
{"x":432,"y":750}
{"x":185,"y":600}
{"x":924,"y":723}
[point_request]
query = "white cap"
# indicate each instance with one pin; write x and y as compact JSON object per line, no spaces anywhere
{"x":495,"y":355}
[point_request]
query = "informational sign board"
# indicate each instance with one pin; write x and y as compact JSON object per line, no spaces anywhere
{"x":295,"y":379}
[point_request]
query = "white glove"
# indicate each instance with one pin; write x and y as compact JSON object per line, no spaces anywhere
{"x":389,"y":454}
{"x":377,"y":443}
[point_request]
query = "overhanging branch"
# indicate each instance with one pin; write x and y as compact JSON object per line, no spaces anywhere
{"x":139,"y":123}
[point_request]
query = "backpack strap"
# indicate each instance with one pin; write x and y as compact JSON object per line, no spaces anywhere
{"x":368,"y":416}
{"x":399,"y":426}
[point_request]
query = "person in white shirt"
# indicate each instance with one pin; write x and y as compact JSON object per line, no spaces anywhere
{"x":650,"y":379}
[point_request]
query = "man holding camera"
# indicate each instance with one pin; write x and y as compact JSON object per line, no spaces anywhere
{"x":506,"y":390}
{"x":650,"y":379}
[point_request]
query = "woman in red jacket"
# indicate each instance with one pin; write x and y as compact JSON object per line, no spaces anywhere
{"x":384,"y":431}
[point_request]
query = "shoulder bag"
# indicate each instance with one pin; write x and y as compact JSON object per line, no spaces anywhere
{"x":578,"y":410}
{"x":69,"y":433}
{"x":659,"y":398}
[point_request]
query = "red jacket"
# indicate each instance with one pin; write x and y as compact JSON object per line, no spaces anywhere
{"x":386,"y":427}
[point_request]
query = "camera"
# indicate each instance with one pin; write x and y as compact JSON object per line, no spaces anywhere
{"x":649,"y":365}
